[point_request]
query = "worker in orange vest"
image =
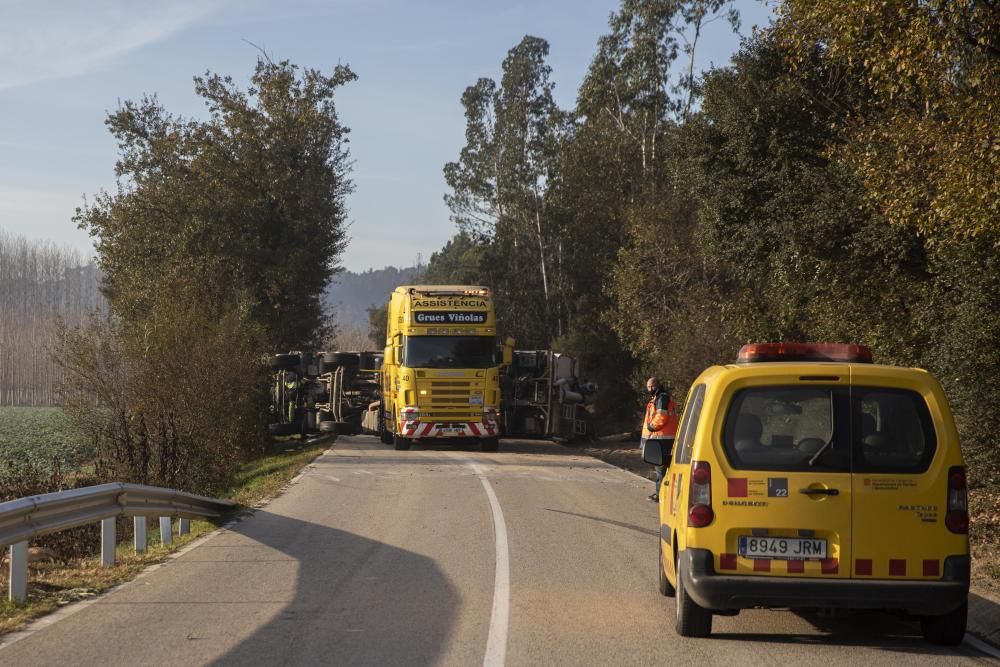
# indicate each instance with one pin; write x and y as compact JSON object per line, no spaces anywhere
{"x":659,"y":424}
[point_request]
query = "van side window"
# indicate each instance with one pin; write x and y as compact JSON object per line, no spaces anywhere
{"x":689,"y":422}
{"x":893,"y":431}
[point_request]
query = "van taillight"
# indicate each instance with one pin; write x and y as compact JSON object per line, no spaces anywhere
{"x":957,"y":519}
{"x":700,"y":512}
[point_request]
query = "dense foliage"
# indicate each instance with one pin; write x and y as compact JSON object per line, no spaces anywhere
{"x":838,"y":181}
{"x":215,"y":248}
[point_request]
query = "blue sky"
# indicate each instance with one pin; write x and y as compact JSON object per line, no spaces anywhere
{"x":64,"y":64}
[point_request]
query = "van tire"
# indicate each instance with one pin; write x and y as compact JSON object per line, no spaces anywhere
{"x":692,"y":620}
{"x":490,"y":444}
{"x":401,"y":444}
{"x":947,"y":629}
{"x":666,"y":588}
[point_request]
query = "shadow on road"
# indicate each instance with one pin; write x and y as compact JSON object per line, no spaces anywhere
{"x":863,"y":628}
{"x":353,"y":600}
{"x":612,"y":522}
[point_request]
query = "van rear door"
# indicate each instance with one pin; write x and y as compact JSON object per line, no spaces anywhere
{"x":788,"y":494}
{"x":900,"y":481}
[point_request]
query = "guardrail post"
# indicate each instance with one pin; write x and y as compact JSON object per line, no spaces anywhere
{"x":165,"y":535}
{"x":109,"y":539}
{"x":185,"y":527}
{"x":18,"y":572}
{"x":140,"y":534}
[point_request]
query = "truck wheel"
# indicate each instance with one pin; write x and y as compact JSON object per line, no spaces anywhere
{"x":948,"y":629}
{"x":666,"y":588}
{"x":401,"y":443}
{"x":692,"y":620}
{"x":385,"y":436}
{"x":283,"y":428}
{"x":285,"y":362}
{"x":328,"y":426}
{"x":490,"y":444}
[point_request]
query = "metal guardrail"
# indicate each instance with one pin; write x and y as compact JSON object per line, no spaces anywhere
{"x":27,"y":518}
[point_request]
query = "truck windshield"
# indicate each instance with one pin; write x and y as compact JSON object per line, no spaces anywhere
{"x":448,"y":352}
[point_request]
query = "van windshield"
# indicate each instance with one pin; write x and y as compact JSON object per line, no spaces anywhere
{"x":788,"y":428}
{"x":449,"y":352}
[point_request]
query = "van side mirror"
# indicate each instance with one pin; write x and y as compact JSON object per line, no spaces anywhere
{"x":652,"y":452}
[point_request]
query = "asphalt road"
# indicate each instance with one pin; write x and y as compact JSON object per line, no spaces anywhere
{"x":533,"y":555}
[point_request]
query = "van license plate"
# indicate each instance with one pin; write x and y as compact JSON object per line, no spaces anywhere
{"x":782,"y":548}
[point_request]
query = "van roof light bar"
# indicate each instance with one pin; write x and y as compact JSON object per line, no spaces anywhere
{"x":839,"y":352}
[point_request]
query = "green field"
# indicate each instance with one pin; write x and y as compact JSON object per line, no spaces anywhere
{"x":40,"y":435}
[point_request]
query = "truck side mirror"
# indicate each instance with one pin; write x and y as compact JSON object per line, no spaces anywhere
{"x":508,"y":351}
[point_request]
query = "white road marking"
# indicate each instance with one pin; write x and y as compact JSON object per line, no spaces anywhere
{"x":332,"y":478}
{"x":496,"y":643}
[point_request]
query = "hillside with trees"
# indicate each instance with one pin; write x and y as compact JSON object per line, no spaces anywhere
{"x":351,"y":294}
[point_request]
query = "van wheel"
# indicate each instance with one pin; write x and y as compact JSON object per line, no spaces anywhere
{"x":401,"y":443}
{"x":490,"y":444}
{"x":692,"y":620}
{"x":948,"y":629}
{"x":666,"y":588}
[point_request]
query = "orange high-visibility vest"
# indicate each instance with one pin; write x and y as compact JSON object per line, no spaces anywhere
{"x":661,"y":413}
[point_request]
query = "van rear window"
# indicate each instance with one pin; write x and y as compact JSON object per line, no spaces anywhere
{"x":788,"y":428}
{"x":894,"y":431}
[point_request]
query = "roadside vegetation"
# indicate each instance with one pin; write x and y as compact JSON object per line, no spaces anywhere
{"x":213,"y":251}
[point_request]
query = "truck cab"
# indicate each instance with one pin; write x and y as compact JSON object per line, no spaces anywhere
{"x":441,"y":367}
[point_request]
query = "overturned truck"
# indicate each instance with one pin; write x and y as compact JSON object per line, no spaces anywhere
{"x":322,"y":392}
{"x":541,"y":395}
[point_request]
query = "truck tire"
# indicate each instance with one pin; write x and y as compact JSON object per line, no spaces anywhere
{"x":328,"y":426}
{"x":692,"y":620}
{"x":666,"y":588}
{"x":349,"y":359}
{"x":285,"y":362}
{"x":401,"y":443}
{"x":947,"y":629}
{"x":283,"y":428}
{"x":490,"y":444}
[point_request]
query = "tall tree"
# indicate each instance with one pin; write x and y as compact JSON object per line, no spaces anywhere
{"x":500,"y":183}
{"x":926,"y":141}
{"x":248,"y":204}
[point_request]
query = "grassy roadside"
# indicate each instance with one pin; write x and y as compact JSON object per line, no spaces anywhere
{"x":54,"y":585}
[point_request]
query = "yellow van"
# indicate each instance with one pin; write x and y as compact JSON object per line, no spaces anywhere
{"x":805,"y":476}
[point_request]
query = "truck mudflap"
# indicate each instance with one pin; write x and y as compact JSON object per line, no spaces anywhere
{"x":420,"y":430}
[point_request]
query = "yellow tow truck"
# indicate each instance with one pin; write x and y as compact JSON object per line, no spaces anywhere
{"x":442,"y":366}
